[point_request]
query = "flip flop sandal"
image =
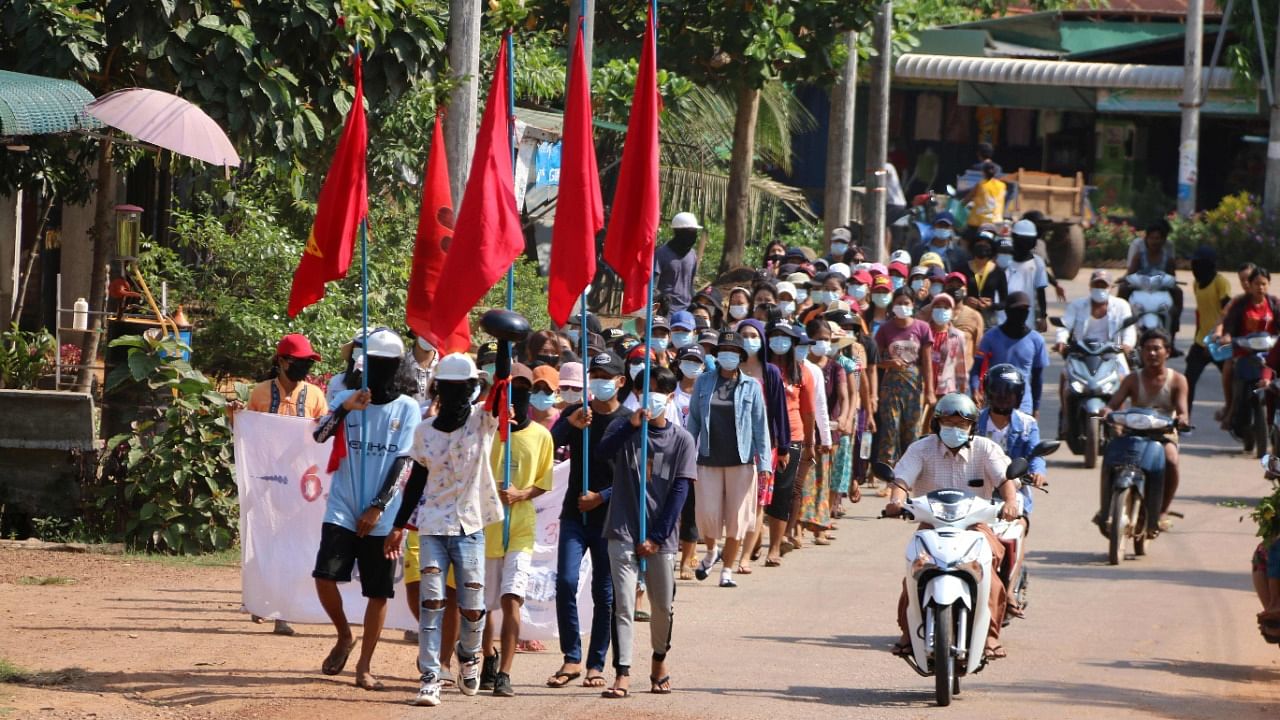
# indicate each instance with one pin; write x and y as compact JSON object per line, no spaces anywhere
{"x":756,"y":553}
{"x":772,"y":563}
{"x":593,"y":681}
{"x":375,"y":686}
{"x":994,"y":653}
{"x":743,"y":570}
{"x":656,"y":685}
{"x":616,"y":693}
{"x":1015,"y":611}
{"x":642,"y":616}
{"x":901,"y":650}
{"x":336,"y":660}
{"x":562,"y":679}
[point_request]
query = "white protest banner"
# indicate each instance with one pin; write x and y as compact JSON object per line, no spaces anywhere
{"x":283,"y":486}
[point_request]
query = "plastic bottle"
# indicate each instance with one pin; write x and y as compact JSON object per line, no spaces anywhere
{"x":80,"y":314}
{"x":864,"y":450}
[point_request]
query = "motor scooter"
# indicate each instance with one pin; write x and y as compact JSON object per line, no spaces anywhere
{"x":1151,"y":299}
{"x":948,"y":580}
{"x":1012,"y":535}
{"x":1134,"y":509}
{"x":1094,"y":371}
{"x":1249,"y":422}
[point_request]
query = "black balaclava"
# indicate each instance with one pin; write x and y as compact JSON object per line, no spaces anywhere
{"x":453,"y":398}
{"x":1023,"y":246}
{"x":382,"y":378}
{"x":1015,"y":323}
{"x":682,"y":241}
{"x":520,"y":405}
{"x":299,"y":369}
{"x":1204,"y":269}
{"x":351,"y":378}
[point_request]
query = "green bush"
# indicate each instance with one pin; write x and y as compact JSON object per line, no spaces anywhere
{"x":1237,"y":229}
{"x":169,"y":486}
{"x":24,"y":357}
{"x":1108,"y":240}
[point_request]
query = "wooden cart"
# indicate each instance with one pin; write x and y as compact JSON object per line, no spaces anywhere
{"x":1064,"y":201}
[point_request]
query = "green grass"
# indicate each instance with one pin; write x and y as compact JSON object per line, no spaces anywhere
{"x":45,"y":580}
{"x":10,"y":673}
{"x":223,"y":558}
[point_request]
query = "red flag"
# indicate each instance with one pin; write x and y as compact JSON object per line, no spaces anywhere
{"x":580,"y":217}
{"x":628,"y":246}
{"x":342,"y":204}
{"x":435,"y":233}
{"x":488,"y":237}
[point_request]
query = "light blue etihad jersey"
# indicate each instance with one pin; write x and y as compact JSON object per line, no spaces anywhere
{"x":389,"y":434}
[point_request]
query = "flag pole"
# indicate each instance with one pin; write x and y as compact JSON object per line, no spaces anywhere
{"x":648,"y":358}
{"x":582,"y":334}
{"x":364,"y":323}
{"x":511,"y":279}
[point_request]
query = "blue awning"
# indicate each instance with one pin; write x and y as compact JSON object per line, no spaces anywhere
{"x":37,"y":105}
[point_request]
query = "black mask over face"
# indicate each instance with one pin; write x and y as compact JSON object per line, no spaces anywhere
{"x":1203,"y":270}
{"x":959,"y":294}
{"x":382,"y":377}
{"x":1015,"y":324}
{"x":682,"y":241}
{"x":1023,"y":247}
{"x":298,"y":370}
{"x":520,"y":405}
{"x":983,"y":250}
{"x":453,"y":398}
{"x":552,"y":360}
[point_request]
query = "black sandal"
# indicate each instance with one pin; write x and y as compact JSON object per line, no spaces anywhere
{"x":616,"y":693}
{"x":660,"y":686}
{"x":562,"y":679}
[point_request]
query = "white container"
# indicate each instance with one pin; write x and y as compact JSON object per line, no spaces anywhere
{"x":80,"y":315}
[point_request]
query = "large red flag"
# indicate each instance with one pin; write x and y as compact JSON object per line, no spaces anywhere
{"x":488,"y":237}
{"x":435,"y":233}
{"x":633,"y":227}
{"x":580,"y":212}
{"x":342,"y":204}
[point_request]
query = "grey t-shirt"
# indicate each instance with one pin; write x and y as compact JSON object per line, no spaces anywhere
{"x":675,"y":276}
{"x":672,"y":454}
{"x":723,"y":424}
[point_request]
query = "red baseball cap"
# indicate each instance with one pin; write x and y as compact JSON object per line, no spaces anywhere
{"x":296,"y":345}
{"x":881,"y":282}
{"x":862,"y":277}
{"x":958,"y":277}
{"x":899,"y":268}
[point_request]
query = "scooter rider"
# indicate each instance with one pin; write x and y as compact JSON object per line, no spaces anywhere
{"x":1099,"y":317}
{"x":1164,"y":390}
{"x":1018,"y":433}
{"x":952,"y":457}
{"x":1154,"y":253}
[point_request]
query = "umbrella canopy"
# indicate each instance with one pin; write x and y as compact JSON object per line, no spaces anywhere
{"x":166,"y":121}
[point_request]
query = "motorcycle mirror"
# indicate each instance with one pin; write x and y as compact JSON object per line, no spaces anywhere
{"x":951,"y":189}
{"x":1046,"y":447}
{"x":1056,"y":322}
{"x":1129,"y":321}
{"x":883,"y":471}
{"x":1017,"y":468}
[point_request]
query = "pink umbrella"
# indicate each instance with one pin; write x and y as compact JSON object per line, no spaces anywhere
{"x":165,"y":121}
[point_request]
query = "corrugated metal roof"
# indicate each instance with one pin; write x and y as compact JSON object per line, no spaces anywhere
{"x":1052,"y":73}
{"x":37,"y":105}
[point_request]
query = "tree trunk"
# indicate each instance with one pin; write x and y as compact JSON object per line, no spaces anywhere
{"x":741,"y":162}
{"x":1271,"y":189}
{"x":878,"y":138}
{"x":464,"y":67}
{"x":101,"y":271}
{"x":837,"y":200}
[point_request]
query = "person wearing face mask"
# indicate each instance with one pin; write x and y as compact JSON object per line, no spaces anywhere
{"x":953,"y":457}
{"x":786,"y":300}
{"x":683,"y":333}
{"x":898,"y":274}
{"x":950,"y":369}
{"x":571,"y":384}
{"x":828,"y":290}
{"x":905,"y":344}
{"x":542,"y":348}
{"x":728,"y":421}
{"x":633,"y":392}
{"x":918,"y":282}
{"x":544,"y":396}
{"x":671,"y":469}
{"x":848,"y":353}
{"x":859,"y":289}
{"x":774,"y":254}
{"x":739,"y":305}
{"x":676,"y":262}
{"x":801,"y":401}
{"x":877,"y":311}
{"x":691,"y":362}
{"x":1014,"y":342}
{"x":374,"y":429}
{"x":1099,"y":317}
{"x":1025,"y":272}
{"x":582,"y":519}
{"x":986,"y":284}
{"x":839,"y":244}
{"x":943,"y":242}
{"x":964,"y":317}
{"x":661,"y":343}
{"x":815,"y":500}
{"x":757,"y":366}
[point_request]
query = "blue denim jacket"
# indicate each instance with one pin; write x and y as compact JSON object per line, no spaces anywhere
{"x":1022,"y":438}
{"x":748,"y":410}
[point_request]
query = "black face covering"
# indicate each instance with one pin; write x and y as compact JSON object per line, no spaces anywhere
{"x":382,"y":376}
{"x":453,"y":398}
{"x":983,"y":250}
{"x":682,"y":241}
{"x":959,"y":294}
{"x":1203,"y":270}
{"x":1022,"y":247}
{"x":299,"y":369}
{"x":520,"y":406}
{"x":552,"y":360}
{"x":1015,"y":324}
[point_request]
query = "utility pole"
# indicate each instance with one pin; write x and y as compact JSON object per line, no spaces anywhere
{"x":1271,"y":195}
{"x":1188,"y":148}
{"x":878,"y":136}
{"x":588,"y":11}
{"x":464,"y":67}
{"x":837,"y":200}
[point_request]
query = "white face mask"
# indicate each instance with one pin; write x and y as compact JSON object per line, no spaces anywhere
{"x":691,"y":368}
{"x":1004,"y":260}
{"x":737,"y":312}
{"x":657,"y":403}
{"x":917,"y":285}
{"x":1098,"y":295}
{"x":571,"y":396}
{"x":941,"y":316}
{"x":903,"y":311}
{"x":881,"y":299}
{"x":801,"y":295}
{"x":859,"y":292}
{"x":838,"y":249}
{"x":821,"y":348}
{"x":787,"y":307}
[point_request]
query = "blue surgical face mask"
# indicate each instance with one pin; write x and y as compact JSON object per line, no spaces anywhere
{"x":571,"y":396}
{"x":635,"y":370}
{"x":838,"y":249}
{"x":574,"y":334}
{"x":786,"y":307}
{"x":942,"y":233}
{"x":917,"y":285}
{"x":603,"y":389}
{"x":489,"y":368}
{"x":821,"y":348}
{"x":1098,"y":295}
{"x":897,"y":281}
{"x":1004,"y":260}
{"x":942,"y":316}
{"x":801,"y":295}
{"x":542,"y":401}
{"x":728,"y":359}
{"x":709,"y":361}
{"x":691,"y":368}
{"x":881,"y":299}
{"x":822,"y":297}
{"x":903,"y":311}
{"x":657,"y":403}
{"x":935,"y":289}
{"x":660,"y":344}
{"x":682,"y":339}
{"x":738,"y":312}
{"x":780,"y":344}
{"x":859,"y":292}
{"x":953,"y":437}
{"x":752,"y":345}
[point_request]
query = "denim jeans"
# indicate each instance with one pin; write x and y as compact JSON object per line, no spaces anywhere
{"x":465,"y":554}
{"x":577,"y":540}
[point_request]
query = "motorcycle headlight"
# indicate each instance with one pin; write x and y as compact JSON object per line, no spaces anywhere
{"x":1109,"y":384}
{"x":1077,"y":387}
{"x":1149,"y":321}
{"x":1135,"y":421}
{"x":923,"y":561}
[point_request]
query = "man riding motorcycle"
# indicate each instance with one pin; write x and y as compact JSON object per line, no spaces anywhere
{"x":1150,"y":253}
{"x":1018,"y":434}
{"x":1100,"y":317}
{"x":1164,"y":390}
{"x":953,"y":457}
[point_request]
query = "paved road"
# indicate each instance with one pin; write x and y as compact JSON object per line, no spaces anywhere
{"x":1168,"y":635}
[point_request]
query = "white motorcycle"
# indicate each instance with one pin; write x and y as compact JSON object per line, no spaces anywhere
{"x":1152,"y":299}
{"x":949,"y":570}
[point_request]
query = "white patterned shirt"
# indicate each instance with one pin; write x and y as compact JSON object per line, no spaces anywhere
{"x":928,"y":465}
{"x":460,"y":496}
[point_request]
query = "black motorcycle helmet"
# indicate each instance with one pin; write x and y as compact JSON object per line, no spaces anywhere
{"x":1004,"y":387}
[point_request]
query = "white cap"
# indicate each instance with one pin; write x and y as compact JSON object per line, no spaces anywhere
{"x":457,"y":366}
{"x":685,"y":221}
{"x":384,"y":343}
{"x":786,"y":287}
{"x":425,"y":344}
{"x":841,"y":269}
{"x":1025,"y":228}
{"x":862,"y":266}
{"x":900,"y":256}
{"x":841,"y":233}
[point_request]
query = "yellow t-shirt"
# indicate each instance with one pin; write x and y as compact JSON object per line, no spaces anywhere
{"x":1209,"y":305}
{"x":532,"y":458}
{"x":313,"y":404}
{"x":988,"y":202}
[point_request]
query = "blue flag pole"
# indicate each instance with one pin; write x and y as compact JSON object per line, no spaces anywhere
{"x":648,"y":365}
{"x":582,"y":335}
{"x":364,"y":326}
{"x":511,"y":280}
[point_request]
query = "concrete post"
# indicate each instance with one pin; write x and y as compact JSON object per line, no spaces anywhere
{"x":878,"y":137}
{"x":464,"y":65}
{"x":1188,"y":148}
{"x":588,"y":30}
{"x":10,"y":254}
{"x":836,"y":197}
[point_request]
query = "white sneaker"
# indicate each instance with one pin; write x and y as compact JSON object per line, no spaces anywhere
{"x":428,"y":695}
{"x":469,"y":676}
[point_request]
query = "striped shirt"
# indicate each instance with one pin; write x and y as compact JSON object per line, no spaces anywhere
{"x":928,"y":465}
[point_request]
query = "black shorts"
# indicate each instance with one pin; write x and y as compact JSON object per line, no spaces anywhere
{"x":341,"y":550}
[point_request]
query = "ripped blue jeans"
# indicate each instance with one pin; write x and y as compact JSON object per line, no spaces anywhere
{"x":439,"y":553}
